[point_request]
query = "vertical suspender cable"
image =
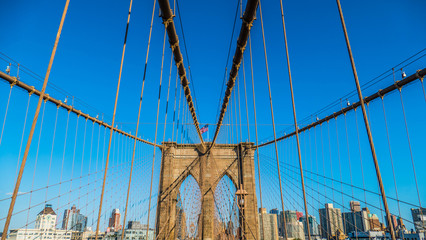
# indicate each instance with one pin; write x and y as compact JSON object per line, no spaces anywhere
{"x":178,"y":115}
{"x":423,"y":87}
{"x":331,"y":160}
{"x":23,"y":133}
{"x":167,"y":101}
{"x":5,"y":113}
{"x":174,"y":107}
{"x":30,"y":137}
{"x":273,"y":121}
{"x":367,"y":125}
{"x":411,"y":151}
{"x":239,"y":108}
{"x":156,"y":128}
{"x":35,"y":164}
{"x":245,"y":98}
{"x":139,"y":113}
{"x":236,"y":116}
{"x":257,"y":138}
{"x":112,"y":122}
{"x":390,"y":155}
{"x":295,"y":122}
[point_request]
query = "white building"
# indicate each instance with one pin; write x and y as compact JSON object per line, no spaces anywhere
{"x":130,"y":234}
{"x":44,"y":228}
{"x":46,"y":219}
{"x":39,"y":234}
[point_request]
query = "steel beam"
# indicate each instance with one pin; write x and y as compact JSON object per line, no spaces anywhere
{"x":167,"y":15}
{"x":59,"y":103}
{"x":397,"y":85}
{"x":248,"y":18}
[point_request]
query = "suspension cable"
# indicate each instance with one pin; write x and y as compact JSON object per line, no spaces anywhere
{"x":248,"y":18}
{"x":273,"y":120}
{"x":256,"y":133}
{"x":169,"y":26}
{"x":5,"y":113}
{"x":390,"y":155}
{"x":31,"y":89}
{"x":156,"y":128}
{"x":174,"y":107}
{"x":394,"y":86}
{"x":139,"y":114}
{"x":113,"y":120}
{"x":411,"y":151}
{"x":23,"y":133}
{"x":367,"y":125}
{"x":296,"y":128}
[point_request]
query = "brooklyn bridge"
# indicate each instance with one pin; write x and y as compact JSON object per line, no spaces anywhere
{"x":112,"y":142}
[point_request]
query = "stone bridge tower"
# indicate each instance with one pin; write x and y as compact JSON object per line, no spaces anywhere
{"x":181,"y":160}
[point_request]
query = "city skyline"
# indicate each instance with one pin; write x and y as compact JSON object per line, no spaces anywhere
{"x":82,"y":156}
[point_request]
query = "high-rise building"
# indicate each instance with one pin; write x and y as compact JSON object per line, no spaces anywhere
{"x":114,"y":220}
{"x":274,"y":211}
{"x":374,"y":222}
{"x":295,"y":230}
{"x":268,"y":224}
{"x":355,"y":206}
{"x":419,"y":219}
{"x":355,"y":221}
{"x":74,"y":220}
{"x":136,"y":225}
{"x":394,"y":221}
{"x":290,"y":216}
{"x":331,"y":221}
{"x":313,"y":226}
{"x":401,"y":225}
{"x":299,"y":215}
{"x":46,"y":219}
{"x":293,"y":225}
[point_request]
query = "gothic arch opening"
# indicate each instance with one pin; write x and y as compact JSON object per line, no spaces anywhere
{"x":226,"y":210}
{"x":188,"y":209}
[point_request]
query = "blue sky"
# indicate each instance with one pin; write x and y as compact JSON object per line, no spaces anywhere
{"x":382,"y":34}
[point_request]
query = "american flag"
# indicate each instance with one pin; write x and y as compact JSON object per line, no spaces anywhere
{"x":204,"y":129}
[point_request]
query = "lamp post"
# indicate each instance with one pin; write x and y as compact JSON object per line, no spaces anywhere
{"x":241,"y":193}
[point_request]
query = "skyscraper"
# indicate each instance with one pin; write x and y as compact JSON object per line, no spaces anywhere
{"x":114,"y":220}
{"x":268,"y":224}
{"x":419,"y":219}
{"x":355,"y":206}
{"x":374,"y":222}
{"x":295,"y":230}
{"x":356,"y":220}
{"x":290,"y":216}
{"x":293,"y":225}
{"x":299,"y":215}
{"x":74,"y":220}
{"x":331,"y":221}
{"x":313,"y":225}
